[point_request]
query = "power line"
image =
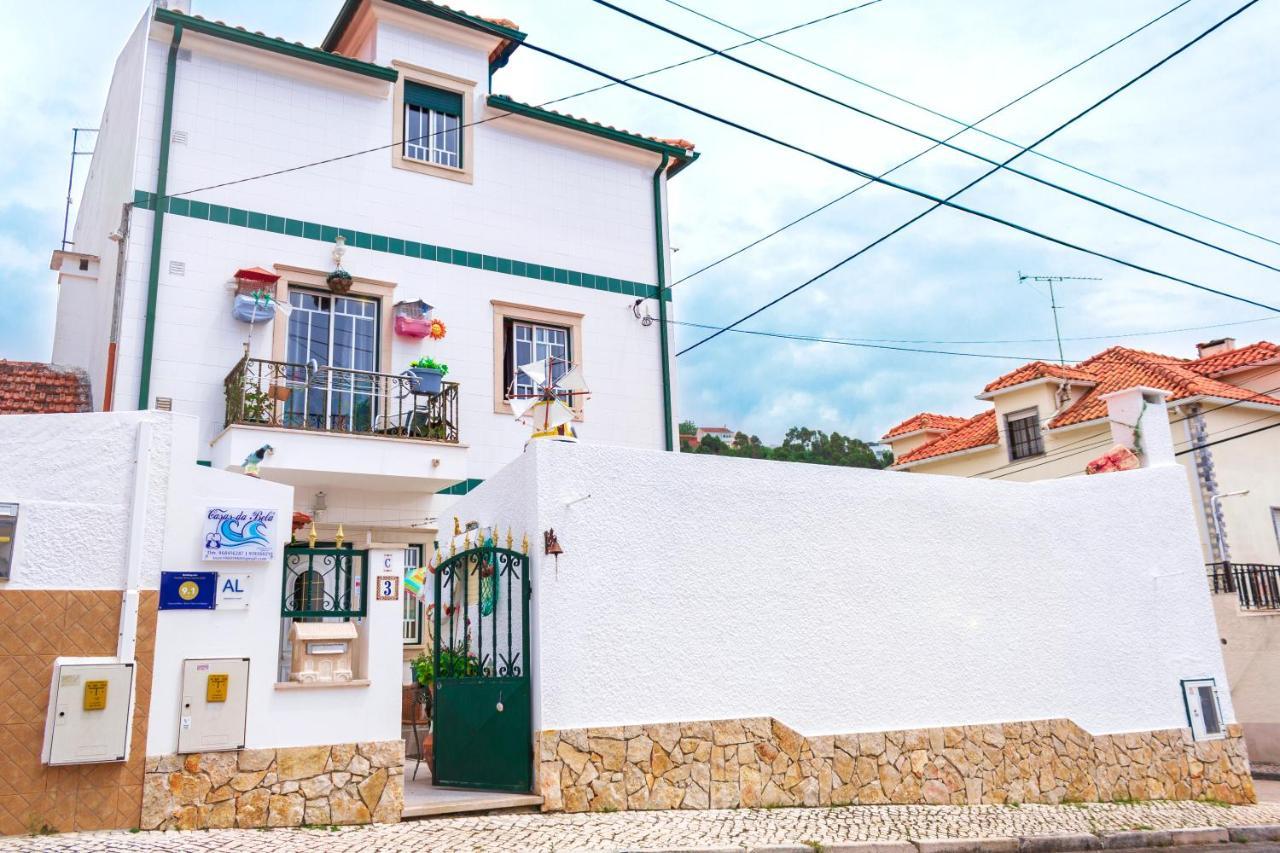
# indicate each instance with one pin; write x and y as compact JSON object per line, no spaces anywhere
{"x":1225,"y":440}
{"x":478,"y":122}
{"x":942,"y":142}
{"x":974,"y":126}
{"x":938,"y":202}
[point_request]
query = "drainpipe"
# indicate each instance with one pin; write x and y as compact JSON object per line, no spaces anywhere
{"x":1215,"y":505}
{"x":661,"y":247}
{"x":157,"y":228}
{"x":127,"y":639}
{"x":121,"y":239}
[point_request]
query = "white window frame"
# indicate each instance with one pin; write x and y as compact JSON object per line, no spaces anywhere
{"x":541,"y":339}
{"x":463,"y":170}
{"x":442,"y":136}
{"x":1023,"y":414}
{"x":1193,"y":698}
{"x":412,"y":628}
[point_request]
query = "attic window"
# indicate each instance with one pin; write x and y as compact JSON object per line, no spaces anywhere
{"x":1023,"y":434}
{"x":432,"y":125}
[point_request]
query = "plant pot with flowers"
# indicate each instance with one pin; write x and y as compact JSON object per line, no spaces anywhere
{"x":339,"y":281}
{"x":426,"y":375}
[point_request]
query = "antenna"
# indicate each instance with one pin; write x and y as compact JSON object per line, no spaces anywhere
{"x":71,"y":179}
{"x":1053,"y":302}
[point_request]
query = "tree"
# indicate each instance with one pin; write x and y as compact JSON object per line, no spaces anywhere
{"x":688,"y":428}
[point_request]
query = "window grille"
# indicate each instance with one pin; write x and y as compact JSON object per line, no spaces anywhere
{"x":432,"y":125}
{"x":1024,"y":436}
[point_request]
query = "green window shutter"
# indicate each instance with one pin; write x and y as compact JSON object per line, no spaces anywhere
{"x":432,"y":99}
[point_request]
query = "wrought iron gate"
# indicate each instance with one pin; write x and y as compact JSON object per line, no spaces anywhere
{"x":482,"y":714}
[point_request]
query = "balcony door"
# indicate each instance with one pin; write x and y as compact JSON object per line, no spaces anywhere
{"x":339,"y":335}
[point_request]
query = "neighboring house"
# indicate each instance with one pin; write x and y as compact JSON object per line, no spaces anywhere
{"x":721,"y":432}
{"x":33,"y":388}
{"x":526,"y":232}
{"x":1047,"y":421}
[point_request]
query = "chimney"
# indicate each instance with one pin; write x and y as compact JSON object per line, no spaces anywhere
{"x":1142,"y":410}
{"x":1214,"y":347}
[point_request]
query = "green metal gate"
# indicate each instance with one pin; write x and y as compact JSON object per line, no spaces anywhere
{"x":482,"y":713}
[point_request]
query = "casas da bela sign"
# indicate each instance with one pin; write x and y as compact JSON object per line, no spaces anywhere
{"x":244,"y":535}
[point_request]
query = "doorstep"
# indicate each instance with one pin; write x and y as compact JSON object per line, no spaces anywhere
{"x":422,"y":799}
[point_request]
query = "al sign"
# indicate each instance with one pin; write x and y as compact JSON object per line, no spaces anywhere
{"x":239,"y":534}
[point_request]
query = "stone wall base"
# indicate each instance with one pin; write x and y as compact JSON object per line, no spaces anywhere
{"x":294,"y":786}
{"x":758,"y":762}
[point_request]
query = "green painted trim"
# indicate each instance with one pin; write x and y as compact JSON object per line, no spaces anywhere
{"x":682,"y":155}
{"x":514,"y":37}
{"x":157,"y":226}
{"x":207,"y":463}
{"x":461,"y":488}
{"x":221,"y":215}
{"x":663,"y":296}
{"x":275,"y":45}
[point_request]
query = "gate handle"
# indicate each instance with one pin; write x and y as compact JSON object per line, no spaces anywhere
{"x":499,"y":701}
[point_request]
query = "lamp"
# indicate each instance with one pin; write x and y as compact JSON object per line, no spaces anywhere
{"x":319,"y":504}
{"x":339,"y":249}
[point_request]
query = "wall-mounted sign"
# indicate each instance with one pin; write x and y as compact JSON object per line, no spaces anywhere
{"x":233,"y":590}
{"x":95,"y":695}
{"x":188,"y":590}
{"x":215,"y":689}
{"x":388,"y":587}
{"x":239,"y":534}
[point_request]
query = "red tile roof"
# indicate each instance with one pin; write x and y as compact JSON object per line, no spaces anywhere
{"x":30,"y":388}
{"x":977,"y":431}
{"x":924,"y":421}
{"x":1038,"y":370}
{"x":1237,"y":359}
{"x":1114,"y":369}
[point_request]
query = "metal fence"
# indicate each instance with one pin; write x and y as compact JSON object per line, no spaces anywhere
{"x":331,"y":399}
{"x":1257,"y":584}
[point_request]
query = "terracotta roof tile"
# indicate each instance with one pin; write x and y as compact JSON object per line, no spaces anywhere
{"x":30,"y":388}
{"x":1236,"y":359}
{"x":977,"y":431}
{"x":924,"y":421}
{"x":1038,"y":370}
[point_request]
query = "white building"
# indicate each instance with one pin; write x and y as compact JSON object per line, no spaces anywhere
{"x":529,"y":232}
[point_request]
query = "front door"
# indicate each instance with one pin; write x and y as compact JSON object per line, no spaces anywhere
{"x":339,"y":334}
{"x":483,"y":714}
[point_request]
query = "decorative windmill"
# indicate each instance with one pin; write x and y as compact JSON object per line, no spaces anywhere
{"x":552,"y":379}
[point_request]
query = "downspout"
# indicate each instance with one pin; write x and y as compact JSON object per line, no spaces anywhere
{"x":121,"y":238}
{"x":127,"y":638}
{"x":157,"y":229}
{"x":661,"y":248}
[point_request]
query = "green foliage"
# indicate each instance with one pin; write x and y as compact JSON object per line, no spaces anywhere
{"x":454,"y":663}
{"x":800,"y":444}
{"x":688,"y":428}
{"x":428,"y":363}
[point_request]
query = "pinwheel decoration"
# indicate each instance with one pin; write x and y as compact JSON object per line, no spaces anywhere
{"x":553,"y":380}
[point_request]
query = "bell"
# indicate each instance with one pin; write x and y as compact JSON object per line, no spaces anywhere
{"x":551,"y":545}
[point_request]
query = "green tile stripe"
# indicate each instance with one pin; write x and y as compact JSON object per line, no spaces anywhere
{"x":393,"y":245}
{"x":460,"y":488}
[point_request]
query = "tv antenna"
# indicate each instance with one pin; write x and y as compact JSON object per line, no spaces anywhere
{"x":1053,"y":302}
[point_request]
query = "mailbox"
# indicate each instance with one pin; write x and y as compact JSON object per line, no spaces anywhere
{"x":322,"y":651}
{"x":90,"y":711}
{"x":215,"y":694}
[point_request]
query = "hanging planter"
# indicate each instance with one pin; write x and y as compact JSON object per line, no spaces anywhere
{"x":413,"y":319}
{"x":253,"y":308}
{"x":426,"y":375}
{"x":339,"y":281}
{"x":279,"y":391}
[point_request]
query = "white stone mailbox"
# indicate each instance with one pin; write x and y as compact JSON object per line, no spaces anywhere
{"x":322,"y":651}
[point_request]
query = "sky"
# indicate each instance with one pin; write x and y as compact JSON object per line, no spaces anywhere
{"x":1199,"y":132}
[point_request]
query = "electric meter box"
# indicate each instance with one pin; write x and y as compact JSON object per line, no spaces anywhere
{"x":90,"y":711}
{"x":215,"y":694}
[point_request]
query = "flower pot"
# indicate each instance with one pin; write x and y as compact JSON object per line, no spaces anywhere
{"x":280,"y":392}
{"x":429,"y":752}
{"x":338,"y":283}
{"x":425,"y":380}
{"x":413,"y":327}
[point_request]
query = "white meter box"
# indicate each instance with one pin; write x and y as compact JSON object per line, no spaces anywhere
{"x":90,"y":711}
{"x":215,"y":693}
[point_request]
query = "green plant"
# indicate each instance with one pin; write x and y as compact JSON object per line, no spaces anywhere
{"x":1143,"y":827}
{"x":454,"y":663}
{"x":256,"y":405}
{"x":815,"y":846}
{"x":429,"y":363}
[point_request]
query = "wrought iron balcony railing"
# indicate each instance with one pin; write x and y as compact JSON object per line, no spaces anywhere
{"x":1257,"y":585}
{"x":336,"y":400}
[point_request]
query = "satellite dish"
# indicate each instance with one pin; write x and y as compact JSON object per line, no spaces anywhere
{"x":554,"y":380}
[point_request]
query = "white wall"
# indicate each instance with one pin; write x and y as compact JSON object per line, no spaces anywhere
{"x":843,"y":600}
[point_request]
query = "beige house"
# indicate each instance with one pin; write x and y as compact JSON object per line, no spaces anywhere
{"x":1045,"y":421}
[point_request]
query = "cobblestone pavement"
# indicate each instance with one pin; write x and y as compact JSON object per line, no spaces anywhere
{"x":627,"y":831}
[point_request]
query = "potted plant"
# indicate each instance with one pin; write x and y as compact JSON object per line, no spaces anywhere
{"x":280,"y":391}
{"x":257,"y":406}
{"x":426,"y":375}
{"x":339,"y":281}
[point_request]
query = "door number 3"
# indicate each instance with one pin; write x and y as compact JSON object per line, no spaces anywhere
{"x":388,"y":588}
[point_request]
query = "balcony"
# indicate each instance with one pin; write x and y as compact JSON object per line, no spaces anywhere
{"x":1256,"y":584}
{"x":333,"y":426}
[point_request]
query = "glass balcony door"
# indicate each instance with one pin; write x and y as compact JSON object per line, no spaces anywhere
{"x":337,"y":335}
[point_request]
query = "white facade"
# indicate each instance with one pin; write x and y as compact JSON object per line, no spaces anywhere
{"x":847,"y":600}
{"x":576,"y":201}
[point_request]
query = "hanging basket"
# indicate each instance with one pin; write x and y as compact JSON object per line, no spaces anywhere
{"x":252,"y":309}
{"x":339,"y":281}
{"x":280,"y":392}
{"x":413,"y":327}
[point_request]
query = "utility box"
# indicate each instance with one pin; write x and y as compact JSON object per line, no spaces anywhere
{"x":90,"y":711}
{"x":215,"y":704}
{"x":322,"y":651}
